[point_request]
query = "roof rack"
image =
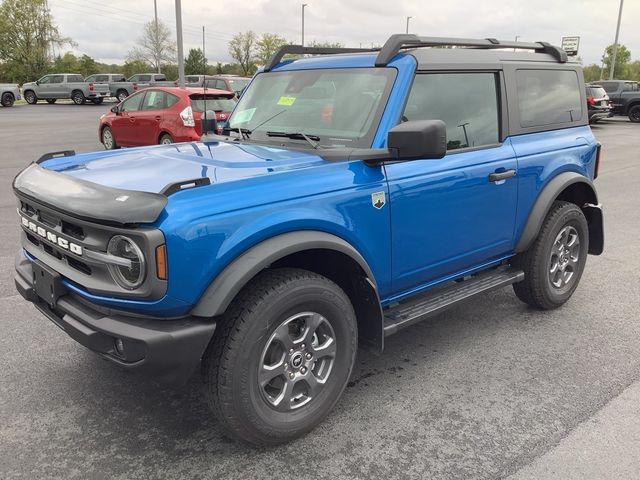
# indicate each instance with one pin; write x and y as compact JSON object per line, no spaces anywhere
{"x":400,"y":41}
{"x":397,"y":42}
{"x":300,"y":50}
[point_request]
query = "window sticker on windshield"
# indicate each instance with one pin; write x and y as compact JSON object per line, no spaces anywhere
{"x":244,"y":115}
{"x":286,"y":101}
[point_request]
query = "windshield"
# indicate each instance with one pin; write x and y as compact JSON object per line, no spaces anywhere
{"x":597,"y":92}
{"x":339,"y":106}
{"x":217,"y":104}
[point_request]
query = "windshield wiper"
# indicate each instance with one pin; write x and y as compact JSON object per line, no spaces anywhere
{"x":244,"y":132}
{"x":311,"y":139}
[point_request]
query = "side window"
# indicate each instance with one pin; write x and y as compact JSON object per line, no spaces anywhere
{"x":548,"y":97}
{"x":57,"y":79}
{"x":144,"y":78}
{"x":45,"y":80}
{"x":92,"y":78}
{"x":134,"y":78}
{"x":171,"y":100}
{"x":626,"y":87}
{"x":132,"y":103}
{"x":210,"y":83}
{"x":102,"y":78}
{"x":466,"y":102}
{"x":74,"y":78}
{"x":221,"y":85}
{"x":154,"y":100}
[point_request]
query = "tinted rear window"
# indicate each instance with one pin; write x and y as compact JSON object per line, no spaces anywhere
{"x":548,"y":97}
{"x":596,"y":92}
{"x":609,"y":86}
{"x":215,"y":103}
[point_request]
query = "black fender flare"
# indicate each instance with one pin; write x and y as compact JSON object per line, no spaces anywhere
{"x":543,"y":203}
{"x":228,"y":283}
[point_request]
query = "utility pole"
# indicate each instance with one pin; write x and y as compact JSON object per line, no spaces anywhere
{"x":408,"y":18}
{"x":179,"y":35}
{"x":155,"y":12}
{"x":615,"y":44}
{"x":303,"y":5}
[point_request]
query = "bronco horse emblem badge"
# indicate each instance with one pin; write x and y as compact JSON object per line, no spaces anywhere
{"x":378,"y":200}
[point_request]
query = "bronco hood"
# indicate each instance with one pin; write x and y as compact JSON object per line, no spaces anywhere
{"x":128,"y":186}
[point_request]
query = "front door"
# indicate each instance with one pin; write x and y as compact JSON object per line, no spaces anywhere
{"x":123,"y":125}
{"x":456,"y":213}
{"x":149,"y":117}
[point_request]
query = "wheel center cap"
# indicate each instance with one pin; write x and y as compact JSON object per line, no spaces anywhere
{"x":297,"y":360}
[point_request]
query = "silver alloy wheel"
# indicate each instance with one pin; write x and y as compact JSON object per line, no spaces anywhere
{"x":565,"y":254}
{"x":121,"y":96}
{"x":297,"y":361}
{"x":166,"y":140}
{"x":107,"y":138}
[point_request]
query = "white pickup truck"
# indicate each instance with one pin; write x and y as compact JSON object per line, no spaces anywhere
{"x":9,"y":93}
{"x":64,"y":85}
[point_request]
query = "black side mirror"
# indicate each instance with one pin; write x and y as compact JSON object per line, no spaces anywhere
{"x":37,"y":82}
{"x":418,"y":139}
{"x":116,"y":110}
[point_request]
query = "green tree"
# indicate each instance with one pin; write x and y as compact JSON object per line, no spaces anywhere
{"x":170,"y":71}
{"x":67,"y":63}
{"x":131,"y":67}
{"x":622,"y":59}
{"x":87,"y":66}
{"x":195,"y":64}
{"x":27,"y":33}
{"x":633,"y":71}
{"x":241,"y":49}
{"x":266,"y":46}
{"x":155,"y":47}
{"x":591,"y":73}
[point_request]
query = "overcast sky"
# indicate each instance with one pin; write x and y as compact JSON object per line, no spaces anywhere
{"x":107,"y":29}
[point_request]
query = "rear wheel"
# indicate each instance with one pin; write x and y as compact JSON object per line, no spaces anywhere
{"x":121,"y":95}
{"x":165,"y":139}
{"x":108,"y":140}
{"x":281,"y":357}
{"x":634,"y":114}
{"x":554,"y":263}
{"x":30,"y":97}
{"x":78,"y":97}
{"x":51,"y":100}
{"x":7,"y":99}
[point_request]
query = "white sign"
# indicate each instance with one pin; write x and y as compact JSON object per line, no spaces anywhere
{"x":570,"y":45}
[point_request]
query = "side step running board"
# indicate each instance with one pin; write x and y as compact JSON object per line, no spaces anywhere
{"x":433,"y":302}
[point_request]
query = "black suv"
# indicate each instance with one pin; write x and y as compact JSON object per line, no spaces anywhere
{"x":598,"y":104}
{"x":625,"y":97}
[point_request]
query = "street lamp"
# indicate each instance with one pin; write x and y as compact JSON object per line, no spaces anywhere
{"x":303,"y":5}
{"x":408,"y":18}
{"x":615,"y":44}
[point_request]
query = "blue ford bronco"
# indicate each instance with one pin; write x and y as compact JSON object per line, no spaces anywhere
{"x":353,"y":193}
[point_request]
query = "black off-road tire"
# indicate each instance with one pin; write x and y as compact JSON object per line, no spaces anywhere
{"x":78,"y":97}
{"x":51,"y":101}
{"x":7,"y":99}
{"x":233,"y":361}
{"x":30,"y":97}
{"x":537,"y":289}
{"x":634,"y":114}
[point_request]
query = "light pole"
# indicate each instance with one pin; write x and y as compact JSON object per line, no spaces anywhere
{"x":517,"y":37}
{"x":303,"y":5}
{"x":155,"y":12}
{"x":179,"y":39}
{"x":408,"y":18}
{"x":615,"y":44}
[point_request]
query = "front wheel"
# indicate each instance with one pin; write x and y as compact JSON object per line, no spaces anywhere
{"x":7,"y":99}
{"x":30,"y":97}
{"x":78,"y":97}
{"x":554,"y":263}
{"x":634,"y":114}
{"x":282,"y":356}
{"x":108,"y":140}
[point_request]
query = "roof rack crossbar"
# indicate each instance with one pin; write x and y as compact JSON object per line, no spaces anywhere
{"x":300,"y":50}
{"x":400,"y":41}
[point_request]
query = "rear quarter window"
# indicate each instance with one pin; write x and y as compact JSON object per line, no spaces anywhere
{"x":548,"y":97}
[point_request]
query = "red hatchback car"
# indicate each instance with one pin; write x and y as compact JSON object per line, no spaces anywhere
{"x":162,"y":115}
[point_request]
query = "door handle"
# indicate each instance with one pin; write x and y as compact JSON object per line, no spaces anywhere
{"x":158,"y":118}
{"x":497,"y":176}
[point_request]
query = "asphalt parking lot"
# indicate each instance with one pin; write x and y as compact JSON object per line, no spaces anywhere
{"x":487,"y":390}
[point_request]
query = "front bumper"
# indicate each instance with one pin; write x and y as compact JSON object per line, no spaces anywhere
{"x":167,"y":350}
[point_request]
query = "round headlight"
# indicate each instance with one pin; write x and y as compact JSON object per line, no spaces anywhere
{"x":127,"y":276}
